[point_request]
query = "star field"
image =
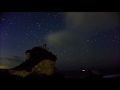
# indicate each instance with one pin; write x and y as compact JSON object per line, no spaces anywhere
{"x":79,"y":39}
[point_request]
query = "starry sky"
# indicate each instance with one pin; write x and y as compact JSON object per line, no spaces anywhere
{"x":81,"y":40}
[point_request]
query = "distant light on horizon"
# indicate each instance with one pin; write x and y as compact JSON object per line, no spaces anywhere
{"x":83,"y":70}
{"x":4,"y":67}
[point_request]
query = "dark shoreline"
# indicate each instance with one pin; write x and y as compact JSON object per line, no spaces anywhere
{"x":75,"y":74}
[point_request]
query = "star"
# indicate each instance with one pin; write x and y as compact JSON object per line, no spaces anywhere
{"x":68,"y":35}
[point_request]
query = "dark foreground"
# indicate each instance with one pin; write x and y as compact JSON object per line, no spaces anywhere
{"x":66,"y":74}
{"x":107,"y":73}
{"x":6,"y":75}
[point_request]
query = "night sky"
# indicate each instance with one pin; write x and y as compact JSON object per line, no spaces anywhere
{"x":81,"y":40}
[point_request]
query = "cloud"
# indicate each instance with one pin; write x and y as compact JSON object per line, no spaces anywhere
{"x":14,"y":60}
{"x":84,"y":24}
{"x":64,"y":39}
{"x":10,"y":62}
{"x":17,"y":57}
{"x":90,"y":20}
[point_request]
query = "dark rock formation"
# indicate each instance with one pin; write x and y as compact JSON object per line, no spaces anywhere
{"x":40,"y":64}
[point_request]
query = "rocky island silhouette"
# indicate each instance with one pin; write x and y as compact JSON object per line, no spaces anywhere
{"x":39,"y":63}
